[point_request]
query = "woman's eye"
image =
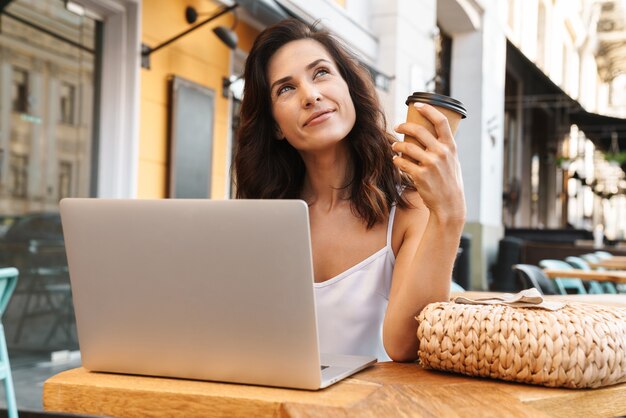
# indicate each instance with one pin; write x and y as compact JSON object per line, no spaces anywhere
{"x":321,"y":72}
{"x":283,"y":89}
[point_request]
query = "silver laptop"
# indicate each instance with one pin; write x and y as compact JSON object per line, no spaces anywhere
{"x":198,"y":289}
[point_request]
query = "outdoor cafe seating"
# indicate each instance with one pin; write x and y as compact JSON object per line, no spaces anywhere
{"x":531,"y":246}
{"x":570,"y":276}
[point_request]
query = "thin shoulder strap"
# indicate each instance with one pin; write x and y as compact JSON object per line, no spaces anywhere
{"x":392,"y":214}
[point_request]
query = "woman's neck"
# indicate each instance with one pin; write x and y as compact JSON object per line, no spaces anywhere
{"x":326,"y":176}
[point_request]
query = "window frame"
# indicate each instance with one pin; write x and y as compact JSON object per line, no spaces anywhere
{"x":20,"y":104}
{"x":118,"y":116}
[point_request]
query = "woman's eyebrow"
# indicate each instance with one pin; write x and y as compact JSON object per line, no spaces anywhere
{"x":308,"y":67}
{"x":314,"y":63}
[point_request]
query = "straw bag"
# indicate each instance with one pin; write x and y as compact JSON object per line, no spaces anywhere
{"x":573,"y":345}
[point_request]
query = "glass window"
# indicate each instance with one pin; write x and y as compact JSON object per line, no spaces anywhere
{"x":65,"y":179}
{"x":49,"y":153}
{"x":19,"y":172}
{"x":19,"y":96}
{"x":66,"y":105}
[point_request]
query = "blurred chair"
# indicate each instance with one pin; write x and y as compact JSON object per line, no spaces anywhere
{"x":509,"y":253}
{"x":577,"y":263}
{"x":590,"y":257}
{"x":8,"y":281}
{"x":461,"y":269}
{"x":595,"y":258}
{"x":532,"y":276}
{"x":455,"y":287}
{"x":594,"y":286}
{"x":46,"y":289}
{"x":564,"y":284}
{"x":603,"y":255}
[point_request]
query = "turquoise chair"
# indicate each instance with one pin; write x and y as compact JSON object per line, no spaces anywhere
{"x":594,"y":286}
{"x":603,"y":255}
{"x":564,"y":284}
{"x":595,"y":258}
{"x":590,"y":258}
{"x":8,"y":281}
{"x":455,"y":287}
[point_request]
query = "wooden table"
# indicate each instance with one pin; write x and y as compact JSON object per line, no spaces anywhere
{"x":613,"y":263}
{"x":384,"y":390}
{"x":598,"y":275}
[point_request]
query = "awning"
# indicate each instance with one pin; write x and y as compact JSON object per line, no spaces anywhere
{"x":541,"y":91}
{"x":266,"y":12}
{"x":536,"y":83}
{"x":601,"y":129}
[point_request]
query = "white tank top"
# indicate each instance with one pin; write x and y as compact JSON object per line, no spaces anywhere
{"x":351,"y":306}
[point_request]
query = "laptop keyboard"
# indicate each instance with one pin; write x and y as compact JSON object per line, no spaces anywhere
{"x":325,"y":367}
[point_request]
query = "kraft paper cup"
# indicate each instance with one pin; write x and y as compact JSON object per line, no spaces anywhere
{"x":451,"y":108}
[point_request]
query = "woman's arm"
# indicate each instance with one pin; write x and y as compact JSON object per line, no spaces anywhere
{"x":432,"y":228}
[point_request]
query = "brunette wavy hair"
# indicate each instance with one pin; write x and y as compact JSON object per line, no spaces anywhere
{"x":265,"y":167}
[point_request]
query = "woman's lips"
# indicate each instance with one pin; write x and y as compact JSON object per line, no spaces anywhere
{"x":316,"y":120}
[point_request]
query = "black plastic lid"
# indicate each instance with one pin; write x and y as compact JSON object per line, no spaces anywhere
{"x":438,"y":100}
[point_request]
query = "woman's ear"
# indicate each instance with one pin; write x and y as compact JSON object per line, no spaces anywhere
{"x":279,"y":134}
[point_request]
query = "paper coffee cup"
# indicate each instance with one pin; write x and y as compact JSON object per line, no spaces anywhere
{"x":451,"y":108}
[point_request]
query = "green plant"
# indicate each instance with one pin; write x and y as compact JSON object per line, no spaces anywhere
{"x":562,"y":161}
{"x":618,"y":157}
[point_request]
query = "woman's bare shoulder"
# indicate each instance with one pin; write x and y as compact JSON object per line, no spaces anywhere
{"x":411,"y":219}
{"x":414,"y":199}
{"x":416,"y":202}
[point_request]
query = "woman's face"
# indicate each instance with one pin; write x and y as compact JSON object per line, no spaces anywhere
{"x":311,"y":102}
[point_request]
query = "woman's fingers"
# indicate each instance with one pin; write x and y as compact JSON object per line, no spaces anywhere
{"x":431,"y":162}
{"x":409,"y":167}
{"x":412,"y":151}
{"x":434,"y":170}
{"x":439,"y":183}
{"x":439,"y":121}
{"x":421,"y":134}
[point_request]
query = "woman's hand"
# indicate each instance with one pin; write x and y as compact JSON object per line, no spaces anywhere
{"x":435,"y":168}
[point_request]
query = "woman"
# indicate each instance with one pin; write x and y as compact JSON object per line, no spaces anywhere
{"x":384,"y":228}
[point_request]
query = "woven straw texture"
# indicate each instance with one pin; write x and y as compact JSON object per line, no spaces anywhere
{"x":578,"y":346}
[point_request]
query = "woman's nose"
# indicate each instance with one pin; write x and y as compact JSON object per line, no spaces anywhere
{"x":310,"y":95}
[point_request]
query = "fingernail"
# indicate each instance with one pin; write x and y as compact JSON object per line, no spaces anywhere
{"x":393,"y":145}
{"x":394,"y":157}
{"x":395,"y":128}
{"x":418,"y":104}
